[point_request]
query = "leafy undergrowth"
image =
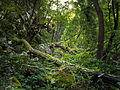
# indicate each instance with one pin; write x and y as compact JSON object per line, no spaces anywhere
{"x":24,"y":71}
{"x":85,"y":59}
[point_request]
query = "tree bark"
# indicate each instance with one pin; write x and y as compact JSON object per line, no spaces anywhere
{"x":101,"y":29}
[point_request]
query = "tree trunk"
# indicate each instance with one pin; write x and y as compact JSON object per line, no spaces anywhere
{"x":101,"y":29}
{"x":115,"y":16}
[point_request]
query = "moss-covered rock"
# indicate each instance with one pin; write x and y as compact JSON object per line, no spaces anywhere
{"x":44,"y":48}
{"x":62,"y":77}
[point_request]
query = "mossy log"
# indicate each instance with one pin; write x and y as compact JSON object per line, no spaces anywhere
{"x":64,"y":48}
{"x":115,"y":81}
{"x":42,"y":54}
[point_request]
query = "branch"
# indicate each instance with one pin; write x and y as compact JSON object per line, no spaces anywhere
{"x":59,"y":45}
{"x":33,"y":9}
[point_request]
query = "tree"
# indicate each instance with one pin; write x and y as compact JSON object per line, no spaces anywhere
{"x":101,"y":29}
{"x":115,"y":11}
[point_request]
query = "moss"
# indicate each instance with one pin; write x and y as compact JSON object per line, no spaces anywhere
{"x":64,"y":77}
{"x":28,"y":46}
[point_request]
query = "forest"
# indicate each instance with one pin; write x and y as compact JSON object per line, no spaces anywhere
{"x":59,"y":44}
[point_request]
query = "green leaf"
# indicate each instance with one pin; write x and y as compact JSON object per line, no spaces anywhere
{"x":52,"y":80}
{"x":16,"y":81}
{"x":118,"y":83}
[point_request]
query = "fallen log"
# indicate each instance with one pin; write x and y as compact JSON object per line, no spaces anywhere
{"x":96,"y":75}
{"x":106,"y":78}
{"x":64,"y":48}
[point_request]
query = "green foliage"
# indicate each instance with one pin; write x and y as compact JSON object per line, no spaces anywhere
{"x":62,"y":77}
{"x":41,"y":23}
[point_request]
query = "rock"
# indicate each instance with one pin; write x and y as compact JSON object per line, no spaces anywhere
{"x":63,"y":77}
{"x":44,"y":48}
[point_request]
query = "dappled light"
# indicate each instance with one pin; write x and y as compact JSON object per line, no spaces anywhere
{"x":59,"y":45}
